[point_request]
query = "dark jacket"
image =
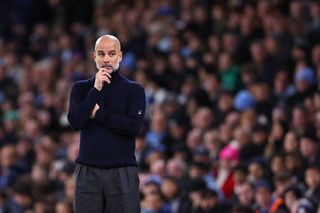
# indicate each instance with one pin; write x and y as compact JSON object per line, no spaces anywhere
{"x":108,"y":140}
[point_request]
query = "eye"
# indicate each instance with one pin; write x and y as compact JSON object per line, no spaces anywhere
{"x":112,"y":54}
{"x":101,"y":54}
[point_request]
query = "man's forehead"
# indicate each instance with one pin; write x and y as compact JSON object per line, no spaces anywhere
{"x":106,"y":50}
{"x":107,"y":43}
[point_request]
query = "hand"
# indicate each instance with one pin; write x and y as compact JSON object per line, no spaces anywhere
{"x":93,"y":112}
{"x":103,"y":75}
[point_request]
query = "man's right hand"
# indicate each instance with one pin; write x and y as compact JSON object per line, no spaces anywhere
{"x":102,"y":76}
{"x":94,"y":110}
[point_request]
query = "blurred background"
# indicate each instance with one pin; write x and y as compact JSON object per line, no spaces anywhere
{"x":233,"y":101}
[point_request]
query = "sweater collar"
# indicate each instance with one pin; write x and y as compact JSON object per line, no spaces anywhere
{"x":115,"y":75}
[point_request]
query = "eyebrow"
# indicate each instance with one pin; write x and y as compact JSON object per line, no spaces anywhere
{"x":110,"y":51}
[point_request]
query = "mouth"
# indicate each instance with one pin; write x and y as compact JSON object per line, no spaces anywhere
{"x":106,"y":66}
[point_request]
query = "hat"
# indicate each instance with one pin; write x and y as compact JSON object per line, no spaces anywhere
{"x":258,"y":160}
{"x":153,"y":179}
{"x":200,"y":165}
{"x":209,"y":193}
{"x":305,"y":74}
{"x":262,"y":184}
{"x":244,"y":100}
{"x":229,"y":153}
{"x":201,"y":150}
{"x":196,"y":185}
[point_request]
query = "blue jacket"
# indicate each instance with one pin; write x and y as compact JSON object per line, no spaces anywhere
{"x":108,"y":140}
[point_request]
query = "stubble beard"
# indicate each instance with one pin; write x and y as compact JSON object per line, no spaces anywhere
{"x":107,"y":66}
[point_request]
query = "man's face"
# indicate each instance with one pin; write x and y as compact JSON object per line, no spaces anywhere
{"x":312,"y":178}
{"x":263,"y":197}
{"x":107,"y":54}
{"x":245,"y":194}
{"x":307,"y":147}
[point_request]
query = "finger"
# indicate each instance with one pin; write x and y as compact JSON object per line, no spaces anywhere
{"x":109,"y":71}
{"x":108,"y":74}
{"x":103,"y":70}
{"x":106,"y":70}
{"x":106,"y":79}
{"x":104,"y":75}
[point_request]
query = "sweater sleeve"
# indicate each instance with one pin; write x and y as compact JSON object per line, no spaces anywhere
{"x":81,"y":105}
{"x":129,"y":124}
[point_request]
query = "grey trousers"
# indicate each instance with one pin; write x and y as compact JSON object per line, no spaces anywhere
{"x":114,"y":190}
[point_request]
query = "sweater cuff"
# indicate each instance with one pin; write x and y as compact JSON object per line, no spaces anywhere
{"x":92,"y":97}
{"x":100,"y":115}
{"x":93,"y":92}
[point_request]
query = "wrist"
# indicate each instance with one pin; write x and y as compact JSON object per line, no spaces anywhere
{"x":97,"y":87}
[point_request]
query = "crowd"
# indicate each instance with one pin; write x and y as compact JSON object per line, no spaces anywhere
{"x":233,"y":101}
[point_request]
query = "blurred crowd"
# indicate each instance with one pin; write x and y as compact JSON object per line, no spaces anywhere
{"x":233,"y":101}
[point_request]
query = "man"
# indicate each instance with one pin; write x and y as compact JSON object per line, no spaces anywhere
{"x":108,"y":110}
{"x":265,"y":202}
{"x":245,"y":194}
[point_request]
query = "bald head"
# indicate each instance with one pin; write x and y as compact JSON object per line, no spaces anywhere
{"x":107,"y":39}
{"x":107,"y":52}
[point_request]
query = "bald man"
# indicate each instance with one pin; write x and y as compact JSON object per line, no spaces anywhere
{"x":108,"y":109}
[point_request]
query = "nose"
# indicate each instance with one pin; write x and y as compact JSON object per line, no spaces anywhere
{"x":106,"y":58}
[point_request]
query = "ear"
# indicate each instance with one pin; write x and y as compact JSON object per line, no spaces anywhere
{"x":120,"y":56}
{"x":94,"y":56}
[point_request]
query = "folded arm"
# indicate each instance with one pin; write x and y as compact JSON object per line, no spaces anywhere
{"x":129,"y":124}
{"x":81,"y":105}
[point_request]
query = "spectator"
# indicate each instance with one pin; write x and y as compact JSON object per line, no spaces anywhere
{"x":63,"y":207}
{"x":209,"y":203}
{"x":212,"y":143}
{"x":171,"y":194}
{"x":191,"y":201}
{"x":257,"y":169}
{"x":176,"y":168}
{"x":217,"y":74}
{"x":309,"y":147}
{"x":294,"y":164}
{"x":241,"y":209}
{"x":312,"y":179}
{"x":156,"y":135}
{"x":153,"y":203}
{"x":245,"y":195}
{"x":8,"y":167}
{"x":228,"y":159}
{"x":230,"y":73}
{"x":290,"y":144}
{"x":291,"y":195}
{"x":264,"y":199}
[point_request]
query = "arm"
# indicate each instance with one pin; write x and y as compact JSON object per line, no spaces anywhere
{"x":81,"y":105}
{"x":129,"y":124}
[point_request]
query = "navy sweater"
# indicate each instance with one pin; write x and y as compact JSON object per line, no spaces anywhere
{"x":108,"y":140}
